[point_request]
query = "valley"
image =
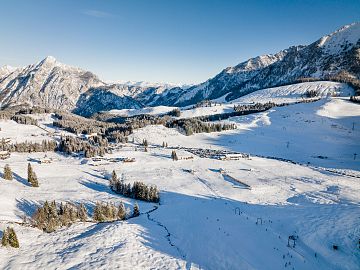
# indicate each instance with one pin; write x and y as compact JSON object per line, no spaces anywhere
{"x":255,"y":168}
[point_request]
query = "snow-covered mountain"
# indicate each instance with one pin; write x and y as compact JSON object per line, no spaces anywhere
{"x":50,"y":83}
{"x":6,"y":70}
{"x":106,"y":98}
{"x":339,"y":51}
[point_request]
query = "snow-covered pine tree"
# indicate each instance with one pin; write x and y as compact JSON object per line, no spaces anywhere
{"x":98,"y":215}
{"x":121,"y":212}
{"x":32,"y":178}
{"x":51,"y":217}
{"x":72,"y":211}
{"x":136,"y":211}
{"x":8,"y":173}
{"x":107,"y":211}
{"x":82,"y":212}
{"x":29,"y":172}
{"x":113,"y":180}
{"x":113,"y":211}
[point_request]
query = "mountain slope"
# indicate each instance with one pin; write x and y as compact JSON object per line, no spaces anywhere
{"x":103,"y":99}
{"x":47,"y":83}
{"x":331,"y":54}
{"x":52,"y":84}
{"x":6,"y":70}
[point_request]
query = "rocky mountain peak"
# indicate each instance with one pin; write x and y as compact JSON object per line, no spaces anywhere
{"x":341,"y":40}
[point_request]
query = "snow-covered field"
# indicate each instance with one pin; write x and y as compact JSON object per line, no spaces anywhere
{"x":198,"y":210}
{"x":20,"y":133}
{"x":290,"y":93}
{"x":205,"y":219}
{"x":148,"y":110}
{"x":323,"y":133}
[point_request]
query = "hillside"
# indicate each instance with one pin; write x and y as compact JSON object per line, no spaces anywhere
{"x":205,"y":219}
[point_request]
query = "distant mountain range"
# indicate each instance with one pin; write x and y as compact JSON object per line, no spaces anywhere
{"x":56,"y":85}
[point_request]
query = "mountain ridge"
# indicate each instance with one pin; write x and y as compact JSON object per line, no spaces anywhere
{"x":52,"y":84}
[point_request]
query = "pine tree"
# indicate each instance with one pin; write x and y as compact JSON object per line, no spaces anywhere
{"x":136,"y":211}
{"x":108,"y":212}
{"x":82,"y":212}
{"x":5,"y":238}
{"x":9,"y":238}
{"x":29,"y":172}
{"x":98,"y":213}
{"x":52,"y":210}
{"x":13,"y":241}
{"x":32,"y":178}
{"x":61,"y":209}
{"x":174,"y":155}
{"x":72,"y":212}
{"x":8,"y":173}
{"x":34,"y":181}
{"x":113,"y":211}
{"x":113,"y":180}
{"x":121,"y":213}
{"x":51,"y":221}
{"x":145,"y":143}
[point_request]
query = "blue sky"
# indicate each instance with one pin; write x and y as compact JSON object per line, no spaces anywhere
{"x":177,"y":41}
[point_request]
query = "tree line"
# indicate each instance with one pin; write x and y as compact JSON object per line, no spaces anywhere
{"x":24,"y":119}
{"x":138,"y":190}
{"x":95,"y":146}
{"x":51,"y":216}
{"x":113,"y":132}
{"x":29,"y":147}
{"x":8,"y":112}
{"x":193,"y":125}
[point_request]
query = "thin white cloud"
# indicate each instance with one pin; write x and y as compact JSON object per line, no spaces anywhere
{"x":96,"y":13}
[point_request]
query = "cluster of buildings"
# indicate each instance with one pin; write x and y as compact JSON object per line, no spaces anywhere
{"x":216,"y":154}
